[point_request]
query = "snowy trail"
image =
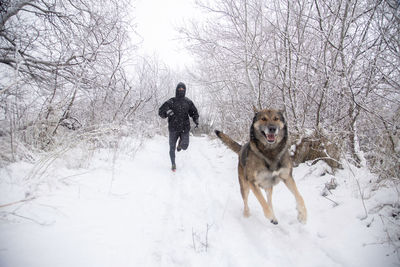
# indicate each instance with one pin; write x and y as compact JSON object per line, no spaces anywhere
{"x":145,"y":215}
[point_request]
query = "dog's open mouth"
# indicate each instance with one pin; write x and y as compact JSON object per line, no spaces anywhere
{"x":270,"y":137}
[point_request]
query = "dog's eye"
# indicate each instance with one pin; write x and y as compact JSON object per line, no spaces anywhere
{"x":264,"y":119}
{"x":276,"y":118}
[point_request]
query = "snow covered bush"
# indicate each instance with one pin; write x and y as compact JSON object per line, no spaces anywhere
{"x":317,"y":145}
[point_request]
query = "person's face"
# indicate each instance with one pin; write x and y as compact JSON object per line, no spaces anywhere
{"x":180,"y":92}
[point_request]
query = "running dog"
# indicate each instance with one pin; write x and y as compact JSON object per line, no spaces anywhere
{"x":265,"y":161}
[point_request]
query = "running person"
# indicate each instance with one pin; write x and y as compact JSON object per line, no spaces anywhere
{"x":177,"y":110}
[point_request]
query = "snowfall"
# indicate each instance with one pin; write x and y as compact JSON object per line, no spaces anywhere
{"x":124,"y":207}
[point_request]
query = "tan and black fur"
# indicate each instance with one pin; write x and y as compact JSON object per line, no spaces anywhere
{"x":265,"y":161}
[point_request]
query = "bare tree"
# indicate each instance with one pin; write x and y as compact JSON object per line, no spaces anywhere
{"x":331,"y":65}
{"x":231,"y":45}
{"x":381,"y":108}
{"x":61,"y":61}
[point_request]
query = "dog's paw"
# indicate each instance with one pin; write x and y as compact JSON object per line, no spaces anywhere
{"x":274,"y":221}
{"x":246,"y":213}
{"x":302,"y":216}
{"x":302,"y":219}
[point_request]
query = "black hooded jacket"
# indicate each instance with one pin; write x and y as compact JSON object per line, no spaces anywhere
{"x":182,"y":107}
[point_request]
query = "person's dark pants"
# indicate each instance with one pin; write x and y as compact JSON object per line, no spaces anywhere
{"x":173,"y":137}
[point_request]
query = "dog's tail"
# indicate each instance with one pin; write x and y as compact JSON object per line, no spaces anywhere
{"x":229,"y":142}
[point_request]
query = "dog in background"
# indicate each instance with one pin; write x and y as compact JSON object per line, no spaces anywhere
{"x":265,"y":161}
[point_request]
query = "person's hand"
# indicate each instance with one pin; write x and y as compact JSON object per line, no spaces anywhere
{"x":170,"y":113}
{"x":197,"y":124}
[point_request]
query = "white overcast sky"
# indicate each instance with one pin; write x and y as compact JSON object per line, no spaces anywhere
{"x":156,"y":22}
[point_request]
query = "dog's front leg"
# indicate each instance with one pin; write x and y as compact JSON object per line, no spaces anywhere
{"x":268,"y":191}
{"x":267,"y":211}
{"x":301,"y":208}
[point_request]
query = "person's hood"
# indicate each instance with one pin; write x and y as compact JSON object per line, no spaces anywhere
{"x":180,"y":94}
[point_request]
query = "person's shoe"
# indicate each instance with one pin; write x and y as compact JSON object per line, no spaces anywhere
{"x":173,"y":168}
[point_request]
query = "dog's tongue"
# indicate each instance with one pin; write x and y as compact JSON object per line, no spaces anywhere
{"x":271,"y":137}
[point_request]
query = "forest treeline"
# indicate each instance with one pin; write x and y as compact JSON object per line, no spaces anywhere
{"x":71,"y":71}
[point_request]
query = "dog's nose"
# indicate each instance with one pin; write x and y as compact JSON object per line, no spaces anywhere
{"x":272,"y":129}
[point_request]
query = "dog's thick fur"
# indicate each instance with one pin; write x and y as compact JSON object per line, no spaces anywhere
{"x":265,"y":161}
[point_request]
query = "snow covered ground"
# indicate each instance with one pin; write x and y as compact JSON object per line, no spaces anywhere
{"x":123,"y":211}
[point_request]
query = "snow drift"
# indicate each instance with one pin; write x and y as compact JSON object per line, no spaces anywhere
{"x":121,"y":210}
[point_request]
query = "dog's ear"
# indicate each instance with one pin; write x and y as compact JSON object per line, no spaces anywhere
{"x":281,"y":115}
{"x":256,"y":110}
